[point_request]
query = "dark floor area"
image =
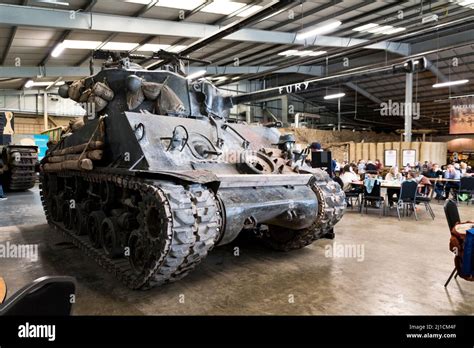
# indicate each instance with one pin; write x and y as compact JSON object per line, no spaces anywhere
{"x":400,"y":269}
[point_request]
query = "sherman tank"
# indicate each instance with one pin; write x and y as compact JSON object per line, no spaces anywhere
{"x":155,"y":176}
{"x":18,"y":162}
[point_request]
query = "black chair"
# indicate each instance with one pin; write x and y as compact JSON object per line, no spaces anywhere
{"x":373,"y":197}
{"x":452,"y":216}
{"x":349,"y":194}
{"x":46,"y":296}
{"x":466,"y":187}
{"x":406,"y":198}
{"x":426,"y":200}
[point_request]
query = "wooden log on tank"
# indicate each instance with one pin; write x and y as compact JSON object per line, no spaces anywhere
{"x":84,"y":164}
{"x":94,"y":145}
{"x":95,"y":155}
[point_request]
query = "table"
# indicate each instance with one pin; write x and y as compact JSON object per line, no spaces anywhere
{"x":3,"y":290}
{"x":462,"y":228}
{"x":384,"y":185}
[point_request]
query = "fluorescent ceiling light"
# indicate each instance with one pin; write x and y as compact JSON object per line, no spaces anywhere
{"x":81,"y":44}
{"x":29,"y":84}
{"x":380,"y":29}
{"x":152,"y":47}
{"x":249,"y":11}
{"x":43,"y":83}
{"x":58,"y":50}
{"x":374,"y":28}
{"x":120,"y":46}
{"x":301,"y":53}
{"x":365,"y":27}
{"x":177,"y":48}
{"x":181,"y":4}
{"x":334,"y":96}
{"x":465,"y":3}
{"x":393,"y":31}
{"x":461,"y":96}
{"x":197,"y":74}
{"x":224,"y":7}
{"x":142,"y":2}
{"x":450,"y":83}
{"x":323,"y":28}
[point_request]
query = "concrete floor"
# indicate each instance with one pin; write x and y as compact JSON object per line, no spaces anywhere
{"x":402,"y":271}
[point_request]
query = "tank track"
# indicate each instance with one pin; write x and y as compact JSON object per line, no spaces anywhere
{"x":21,"y":175}
{"x":331,"y":205}
{"x":191,"y":221}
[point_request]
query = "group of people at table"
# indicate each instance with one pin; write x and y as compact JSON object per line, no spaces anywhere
{"x":429,"y":176}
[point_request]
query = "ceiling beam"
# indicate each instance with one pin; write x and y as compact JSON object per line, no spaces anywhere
{"x":10,"y":39}
{"x":65,"y":34}
{"x":48,"y":18}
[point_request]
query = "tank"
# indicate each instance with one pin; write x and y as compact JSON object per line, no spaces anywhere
{"x":17,"y":170}
{"x":155,"y":177}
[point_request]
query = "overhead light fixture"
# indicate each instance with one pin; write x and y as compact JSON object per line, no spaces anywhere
{"x":196,"y":74}
{"x":58,"y":50}
{"x":322,"y":28}
{"x":334,"y":96}
{"x":181,"y":4}
{"x":81,"y":44}
{"x":461,"y":96}
{"x":374,"y":28}
{"x":54,"y":2}
{"x":152,"y":47}
{"x":141,"y":2}
{"x":29,"y":84}
{"x":119,"y":46}
{"x":450,"y":83}
{"x":224,"y":7}
{"x":249,"y":11}
{"x":465,"y":3}
{"x":301,"y":53}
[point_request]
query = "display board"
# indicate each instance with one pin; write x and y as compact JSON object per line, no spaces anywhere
{"x":408,"y":157}
{"x":390,"y":158}
{"x":462,"y":116}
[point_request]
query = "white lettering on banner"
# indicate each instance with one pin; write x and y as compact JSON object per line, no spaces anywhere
{"x":37,"y":331}
{"x":296,"y":87}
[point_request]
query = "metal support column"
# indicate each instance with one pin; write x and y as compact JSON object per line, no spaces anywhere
{"x":338,"y":114}
{"x":284,"y":110}
{"x":45,"y":110}
{"x":408,"y":105}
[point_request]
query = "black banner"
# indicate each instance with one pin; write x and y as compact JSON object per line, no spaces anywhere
{"x":288,"y":330}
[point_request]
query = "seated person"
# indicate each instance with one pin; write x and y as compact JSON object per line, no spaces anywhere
{"x":371,"y":168}
{"x":423,"y":180}
{"x":394,"y":175}
{"x":436,"y":172}
{"x":451,"y":173}
{"x":347,"y":177}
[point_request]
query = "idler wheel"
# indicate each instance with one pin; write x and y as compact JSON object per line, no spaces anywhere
{"x":67,"y":215}
{"x":94,"y":223}
{"x":110,"y":238}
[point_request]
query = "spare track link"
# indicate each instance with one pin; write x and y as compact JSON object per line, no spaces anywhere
{"x":21,"y":174}
{"x":193,"y":226}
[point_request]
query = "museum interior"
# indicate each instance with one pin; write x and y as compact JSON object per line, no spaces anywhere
{"x":236,"y":157}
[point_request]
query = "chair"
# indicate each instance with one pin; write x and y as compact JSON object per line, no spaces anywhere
{"x":452,"y":216}
{"x":46,"y":296}
{"x":373,"y":197}
{"x":466,"y":187}
{"x":426,"y":200}
{"x":349,"y":194}
{"x":406,"y":198}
